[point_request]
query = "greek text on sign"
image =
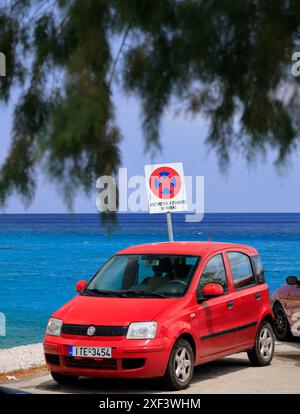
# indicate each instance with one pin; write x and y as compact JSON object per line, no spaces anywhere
{"x":166,"y":187}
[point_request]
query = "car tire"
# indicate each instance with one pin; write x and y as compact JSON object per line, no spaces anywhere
{"x":281,"y":324}
{"x":64,"y":379}
{"x":263,"y":350}
{"x":180,"y":367}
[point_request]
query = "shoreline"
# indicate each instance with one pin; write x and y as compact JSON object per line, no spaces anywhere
{"x":21,"y":358}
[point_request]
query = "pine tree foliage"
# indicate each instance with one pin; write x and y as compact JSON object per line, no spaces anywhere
{"x":227,"y":61}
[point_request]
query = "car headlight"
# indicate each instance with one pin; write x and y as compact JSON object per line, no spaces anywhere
{"x":54,"y":326}
{"x":142,"y":330}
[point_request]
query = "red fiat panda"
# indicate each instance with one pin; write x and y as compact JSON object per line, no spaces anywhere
{"x":157,"y":310}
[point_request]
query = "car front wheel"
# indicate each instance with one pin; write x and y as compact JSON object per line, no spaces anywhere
{"x":263,"y":350}
{"x":281,"y":324}
{"x":180,"y":366}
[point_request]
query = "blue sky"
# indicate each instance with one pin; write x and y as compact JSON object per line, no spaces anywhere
{"x":259,"y":189}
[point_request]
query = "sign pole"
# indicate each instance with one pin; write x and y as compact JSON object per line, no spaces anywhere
{"x":165,"y":184}
{"x":169,"y":224}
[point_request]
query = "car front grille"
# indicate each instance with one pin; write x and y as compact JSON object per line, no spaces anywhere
{"x":90,"y":363}
{"x":70,"y":329}
{"x":104,"y":364}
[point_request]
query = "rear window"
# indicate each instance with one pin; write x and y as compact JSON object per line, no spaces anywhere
{"x":241,"y":270}
{"x":258,"y":269}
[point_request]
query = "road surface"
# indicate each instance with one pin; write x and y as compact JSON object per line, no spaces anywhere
{"x":232,"y":374}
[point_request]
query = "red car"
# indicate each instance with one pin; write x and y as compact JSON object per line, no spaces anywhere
{"x":286,"y":309}
{"x":157,"y":310}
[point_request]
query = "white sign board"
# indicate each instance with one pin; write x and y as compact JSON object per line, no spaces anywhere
{"x":166,"y":190}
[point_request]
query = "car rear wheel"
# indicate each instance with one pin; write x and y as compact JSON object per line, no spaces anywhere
{"x":263,"y":350}
{"x":64,"y":379}
{"x":180,"y":367}
{"x":281,"y":324}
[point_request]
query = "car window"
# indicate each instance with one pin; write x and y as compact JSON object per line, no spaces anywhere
{"x":213,"y":272}
{"x":116,"y":272}
{"x":258,"y":268}
{"x":241,"y":270}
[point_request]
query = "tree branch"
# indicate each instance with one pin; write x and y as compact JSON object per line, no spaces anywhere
{"x":115,"y":62}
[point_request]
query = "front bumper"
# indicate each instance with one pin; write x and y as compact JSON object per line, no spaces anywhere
{"x":130,"y":358}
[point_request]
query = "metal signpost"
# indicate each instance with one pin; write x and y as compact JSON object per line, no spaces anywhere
{"x":169,"y":225}
{"x":166,"y":190}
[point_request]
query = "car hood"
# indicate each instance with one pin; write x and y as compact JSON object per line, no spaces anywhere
{"x":282,"y":292}
{"x":90,"y":310}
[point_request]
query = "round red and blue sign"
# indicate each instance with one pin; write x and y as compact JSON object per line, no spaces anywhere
{"x":165,"y":182}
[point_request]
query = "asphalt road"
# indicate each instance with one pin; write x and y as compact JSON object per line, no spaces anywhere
{"x":232,"y":374}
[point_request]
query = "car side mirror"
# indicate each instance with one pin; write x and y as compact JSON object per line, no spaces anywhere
{"x":80,"y":285}
{"x":293,"y":281}
{"x":212,"y":290}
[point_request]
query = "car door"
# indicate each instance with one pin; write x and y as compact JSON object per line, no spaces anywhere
{"x":216,"y":316}
{"x":249,"y":296}
{"x":293,"y":309}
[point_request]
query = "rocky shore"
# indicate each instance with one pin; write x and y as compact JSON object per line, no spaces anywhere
{"x":21,"y":358}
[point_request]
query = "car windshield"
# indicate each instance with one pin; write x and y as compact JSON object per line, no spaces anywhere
{"x":146,"y":275}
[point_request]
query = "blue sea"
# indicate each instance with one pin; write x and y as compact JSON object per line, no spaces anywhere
{"x":42,"y":256}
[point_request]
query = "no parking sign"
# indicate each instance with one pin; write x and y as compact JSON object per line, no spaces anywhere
{"x":166,"y":188}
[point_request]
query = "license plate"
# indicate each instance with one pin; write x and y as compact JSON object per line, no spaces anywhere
{"x":89,"y":352}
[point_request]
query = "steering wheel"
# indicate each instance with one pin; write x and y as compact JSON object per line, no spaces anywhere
{"x":176,"y":281}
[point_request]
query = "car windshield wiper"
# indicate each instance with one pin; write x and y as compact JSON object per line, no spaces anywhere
{"x":106,"y":292}
{"x":144,"y":293}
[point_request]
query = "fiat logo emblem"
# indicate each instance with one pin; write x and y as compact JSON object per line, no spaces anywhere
{"x":91,"y":330}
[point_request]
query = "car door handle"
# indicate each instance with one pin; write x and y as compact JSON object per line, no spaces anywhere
{"x":230,"y":304}
{"x":258,"y":296}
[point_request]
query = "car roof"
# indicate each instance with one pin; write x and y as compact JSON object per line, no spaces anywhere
{"x":186,"y":248}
